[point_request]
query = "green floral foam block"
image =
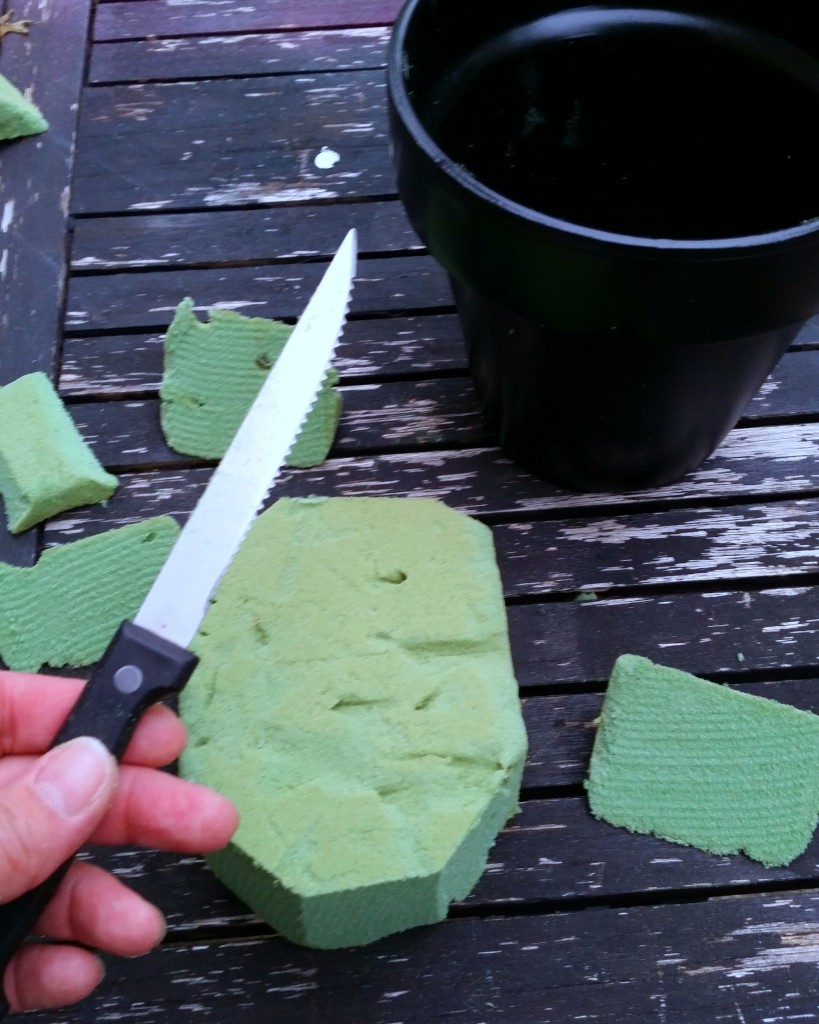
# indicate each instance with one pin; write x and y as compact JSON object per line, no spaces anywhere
{"x":704,"y":765}
{"x":45,"y":465}
{"x":355,"y":698}
{"x":65,"y":609}
{"x":213,"y":371}
{"x":18,"y":116}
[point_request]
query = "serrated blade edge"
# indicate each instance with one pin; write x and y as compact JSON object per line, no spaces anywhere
{"x":177,"y":601}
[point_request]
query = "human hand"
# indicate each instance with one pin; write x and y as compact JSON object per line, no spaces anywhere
{"x":51,"y":805}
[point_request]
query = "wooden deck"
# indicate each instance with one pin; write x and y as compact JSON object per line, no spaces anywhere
{"x":182,"y":161}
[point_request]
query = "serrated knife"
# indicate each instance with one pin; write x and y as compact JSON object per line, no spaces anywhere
{"x":148,"y":659}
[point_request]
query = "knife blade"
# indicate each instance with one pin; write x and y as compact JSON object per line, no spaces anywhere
{"x":148,"y":659}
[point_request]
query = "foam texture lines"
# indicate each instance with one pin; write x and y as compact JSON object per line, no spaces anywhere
{"x":45,"y":465}
{"x":213,"y":371}
{"x":18,"y":116}
{"x":65,"y":609}
{"x":701,"y":764}
{"x":355,"y":698}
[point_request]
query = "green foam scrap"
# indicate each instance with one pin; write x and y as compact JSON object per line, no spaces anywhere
{"x":18,"y":116}
{"x":45,"y":465}
{"x":213,"y":371}
{"x":701,"y":764}
{"x":355,"y":697}
{"x":65,"y":609}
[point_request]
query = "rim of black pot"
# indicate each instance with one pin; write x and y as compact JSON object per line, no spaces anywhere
{"x":405,"y":109}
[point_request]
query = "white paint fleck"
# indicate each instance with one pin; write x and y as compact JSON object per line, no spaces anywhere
{"x":270,"y":193}
{"x":326,"y":158}
{"x":157,"y":205}
{"x":8,"y":215}
{"x":233,"y":305}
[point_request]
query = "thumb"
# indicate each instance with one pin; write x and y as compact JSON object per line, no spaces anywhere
{"x":50,"y":811}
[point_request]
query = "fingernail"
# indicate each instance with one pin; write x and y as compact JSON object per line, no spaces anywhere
{"x":71,"y":776}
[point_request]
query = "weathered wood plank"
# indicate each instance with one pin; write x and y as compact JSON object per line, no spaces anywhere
{"x":660,"y":549}
{"x":377,"y":417}
{"x":131,"y":365}
{"x":741,"y":543}
{"x":383,"y":416}
{"x":787,"y":391}
{"x":722,"y":635}
{"x":763,"y":541}
{"x":147,"y":299}
{"x":112,"y":302}
{"x":129,"y":20}
{"x":288,"y":107}
{"x":238,"y":236}
{"x":485,"y":483}
{"x":120,"y":432}
{"x":750,"y":462}
{"x":721,"y":960}
{"x":393,"y":347}
{"x":232,"y":142}
{"x":165,"y":60}
{"x":35,"y":175}
{"x":561,"y":730}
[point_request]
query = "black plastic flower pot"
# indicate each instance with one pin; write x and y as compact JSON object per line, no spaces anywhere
{"x":626,"y":202}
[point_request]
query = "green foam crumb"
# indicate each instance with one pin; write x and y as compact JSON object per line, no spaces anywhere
{"x":18,"y":116}
{"x":704,"y":765}
{"x":45,"y":465}
{"x":65,"y":609}
{"x":355,"y":697}
{"x":212,"y":373}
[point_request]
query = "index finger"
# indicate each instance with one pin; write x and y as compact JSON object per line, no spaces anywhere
{"x":33,"y":707}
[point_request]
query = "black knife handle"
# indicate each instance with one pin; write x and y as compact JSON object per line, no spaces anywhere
{"x":137,"y":670}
